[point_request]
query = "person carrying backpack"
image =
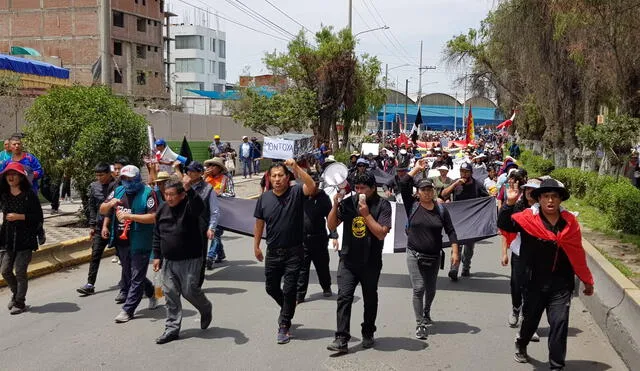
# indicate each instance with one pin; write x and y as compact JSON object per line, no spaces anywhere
{"x":425,"y":221}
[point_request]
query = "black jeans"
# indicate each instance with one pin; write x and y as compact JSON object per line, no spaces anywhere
{"x":281,"y":271}
{"x":349,"y":276}
{"x":316,"y":250}
{"x":97,"y":249}
{"x":518,"y":272}
{"x":557,"y":304}
{"x":18,"y":282}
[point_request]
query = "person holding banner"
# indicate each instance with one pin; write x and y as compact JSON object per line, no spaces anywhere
{"x":426,"y":220}
{"x":281,"y":210}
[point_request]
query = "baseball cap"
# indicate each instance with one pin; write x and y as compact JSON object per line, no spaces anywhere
{"x":424,"y":183}
{"x":195,"y":166}
{"x":442,"y":167}
{"x":130,"y":171}
{"x":362,"y":161}
{"x":245,"y":137}
{"x":216,"y":137}
{"x":466,"y":166}
{"x":161,"y":142}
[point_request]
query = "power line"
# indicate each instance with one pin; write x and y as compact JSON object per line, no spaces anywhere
{"x":259,"y":17}
{"x":287,"y":15}
{"x":378,"y":38}
{"x":232,"y":21}
{"x":396,"y":44}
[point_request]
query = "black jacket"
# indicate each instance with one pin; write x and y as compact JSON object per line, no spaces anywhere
{"x":98,"y":192}
{"x":177,"y":234}
{"x":21,"y":235}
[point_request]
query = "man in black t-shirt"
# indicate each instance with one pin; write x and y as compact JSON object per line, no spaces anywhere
{"x":367,"y":220}
{"x":281,"y":210}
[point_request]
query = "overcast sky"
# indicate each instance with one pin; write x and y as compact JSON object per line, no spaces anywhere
{"x":432,"y":21}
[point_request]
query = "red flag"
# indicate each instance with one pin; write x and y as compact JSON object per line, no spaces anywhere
{"x":505,"y":124}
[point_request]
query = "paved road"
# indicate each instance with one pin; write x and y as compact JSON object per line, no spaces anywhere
{"x":65,"y":332}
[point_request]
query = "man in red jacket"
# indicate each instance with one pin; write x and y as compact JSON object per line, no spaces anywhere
{"x":552,"y":252}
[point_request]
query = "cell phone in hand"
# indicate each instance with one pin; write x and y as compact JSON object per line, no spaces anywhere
{"x":362,"y":197}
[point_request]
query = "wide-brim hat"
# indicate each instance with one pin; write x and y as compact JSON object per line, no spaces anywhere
{"x":329,"y":159}
{"x":216,"y":161}
{"x":162,"y":176}
{"x":551,"y":185}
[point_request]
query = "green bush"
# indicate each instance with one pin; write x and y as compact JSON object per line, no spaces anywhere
{"x":574,"y":179}
{"x":623,"y":207}
{"x":536,"y":164}
{"x":342,"y":155}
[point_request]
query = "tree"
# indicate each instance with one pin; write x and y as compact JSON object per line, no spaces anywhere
{"x":290,"y":110}
{"x":71,"y":129}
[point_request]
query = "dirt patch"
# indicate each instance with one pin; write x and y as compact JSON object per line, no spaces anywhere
{"x":626,"y":253}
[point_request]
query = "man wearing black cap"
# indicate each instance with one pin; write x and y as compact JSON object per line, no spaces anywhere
{"x":367,"y":219}
{"x":465,"y":188}
{"x":551,"y":250}
{"x":211,"y":212}
{"x":391,"y":188}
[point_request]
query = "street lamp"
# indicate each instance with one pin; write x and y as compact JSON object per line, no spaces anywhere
{"x":385,"y":27}
{"x":386,"y":76}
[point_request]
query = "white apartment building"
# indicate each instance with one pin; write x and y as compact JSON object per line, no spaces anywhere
{"x":198,"y":60}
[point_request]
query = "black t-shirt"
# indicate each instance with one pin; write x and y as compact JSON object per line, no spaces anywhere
{"x":359,"y":245}
{"x":469,"y":190}
{"x":425,"y":230}
{"x":316,"y":209}
{"x":283,"y":216}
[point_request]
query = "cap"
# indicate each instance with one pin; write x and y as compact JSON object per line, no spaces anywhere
{"x":355,"y":153}
{"x":511,"y":165}
{"x":216,"y":161}
{"x":216,"y":137}
{"x":482,"y":155}
{"x":362,"y":161}
{"x":551,"y":185}
{"x":532,"y":183}
{"x":442,"y":167}
{"x":329,"y":159}
{"x":162,"y":176}
{"x":418,"y":156}
{"x":245,"y":137}
{"x":466,"y":166}
{"x":254,"y":138}
{"x":195,"y":166}
{"x":403,"y":151}
{"x":424,"y":183}
{"x":15,"y":166}
{"x":130,"y":171}
{"x":161,"y":142}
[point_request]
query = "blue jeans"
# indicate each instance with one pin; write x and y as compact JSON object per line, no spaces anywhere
{"x":134,"y":278}
{"x":216,"y":250}
{"x":246,"y":166}
{"x":256,"y":166}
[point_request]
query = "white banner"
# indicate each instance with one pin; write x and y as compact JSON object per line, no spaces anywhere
{"x":278,"y":148}
{"x":370,"y":148}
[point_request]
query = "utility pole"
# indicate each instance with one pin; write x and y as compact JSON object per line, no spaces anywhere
{"x":406,"y":97}
{"x":420,"y":69}
{"x":384,"y":109}
{"x":105,"y":42}
{"x":350,"y":14}
{"x":464,"y":104}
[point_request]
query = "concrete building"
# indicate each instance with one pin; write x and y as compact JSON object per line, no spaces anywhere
{"x":70,"y":30}
{"x":198,"y":60}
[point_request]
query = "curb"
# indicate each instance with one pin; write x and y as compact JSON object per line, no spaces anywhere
{"x":615,"y":306}
{"x":54,"y":257}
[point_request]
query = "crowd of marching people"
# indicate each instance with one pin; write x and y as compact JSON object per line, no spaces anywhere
{"x":172,"y":222}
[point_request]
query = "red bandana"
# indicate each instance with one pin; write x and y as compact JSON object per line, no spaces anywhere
{"x":569,"y":239}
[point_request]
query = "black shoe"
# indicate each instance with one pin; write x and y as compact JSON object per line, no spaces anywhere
{"x":121,"y":298}
{"x":521,"y":355}
{"x":299,"y":301}
{"x":221,"y":259}
{"x":453,"y":275}
{"x":466,"y":273}
{"x":12,"y":302}
{"x":339,"y":345}
{"x":86,"y":290}
{"x":205,"y":319}
{"x":428,"y":320}
{"x":18,"y":308}
{"x":367,"y":342}
{"x":209,"y":264}
{"x":327,"y":293}
{"x":422,"y":332}
{"x":167,"y":337}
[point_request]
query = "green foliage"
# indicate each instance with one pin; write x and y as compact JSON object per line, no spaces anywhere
{"x":617,"y":135}
{"x":9,"y":84}
{"x":623,"y":208}
{"x":288,"y":111}
{"x":70,"y":129}
{"x":342,"y":155}
{"x":536,"y":164}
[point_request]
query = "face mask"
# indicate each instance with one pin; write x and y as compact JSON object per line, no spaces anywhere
{"x":131,"y":186}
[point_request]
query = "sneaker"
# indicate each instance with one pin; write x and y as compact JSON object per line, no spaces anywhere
{"x":167,"y":337}
{"x":123,"y":317}
{"x":422,"y":332}
{"x":453,"y":275}
{"x":153,"y":302}
{"x":18,"y":308}
{"x":205,"y":319}
{"x":428,"y":320}
{"x":535,"y":338}
{"x":12,"y":302}
{"x":521,"y":355}
{"x":514,"y":317}
{"x":209,"y":264}
{"x":283,"y":334}
{"x":339,"y":345}
{"x":220,"y":259}
{"x":115,"y":259}
{"x":121,"y":298}
{"x":367,"y":342}
{"x":466,"y":272}
{"x":87,"y":289}
{"x":54,"y":212}
{"x":327,"y":293}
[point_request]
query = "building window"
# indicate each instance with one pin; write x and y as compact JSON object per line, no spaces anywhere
{"x":190,"y":65}
{"x":222,"y":71}
{"x":223,"y":49}
{"x":212,"y":67}
{"x":141,"y":52}
{"x":117,"y":48}
{"x":155,"y":49}
{"x":181,"y":88}
{"x":141,"y":78}
{"x":149,"y":22}
{"x":155,"y":23}
{"x":212,"y":45}
{"x":218,"y":87}
{"x":142,"y":25}
{"x":144,"y":2}
{"x":117,"y":76}
{"x":135,"y":1}
{"x":148,"y":48}
{"x":156,"y":74}
{"x":189,"y":42}
{"x":118,"y":19}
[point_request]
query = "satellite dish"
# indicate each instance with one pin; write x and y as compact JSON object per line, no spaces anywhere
{"x":335,"y":176}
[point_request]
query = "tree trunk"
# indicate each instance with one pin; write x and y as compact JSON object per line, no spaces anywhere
{"x":334,"y":135}
{"x":345,"y":137}
{"x":589,"y":160}
{"x":327,"y":119}
{"x":605,"y":165}
{"x":536,"y":147}
{"x":560,"y":158}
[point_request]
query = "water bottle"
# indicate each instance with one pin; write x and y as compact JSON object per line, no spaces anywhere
{"x":157,"y":284}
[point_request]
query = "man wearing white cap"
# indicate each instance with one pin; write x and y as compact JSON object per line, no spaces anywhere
{"x":131,"y":208}
{"x":246,"y":154}
{"x":441,"y":182}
